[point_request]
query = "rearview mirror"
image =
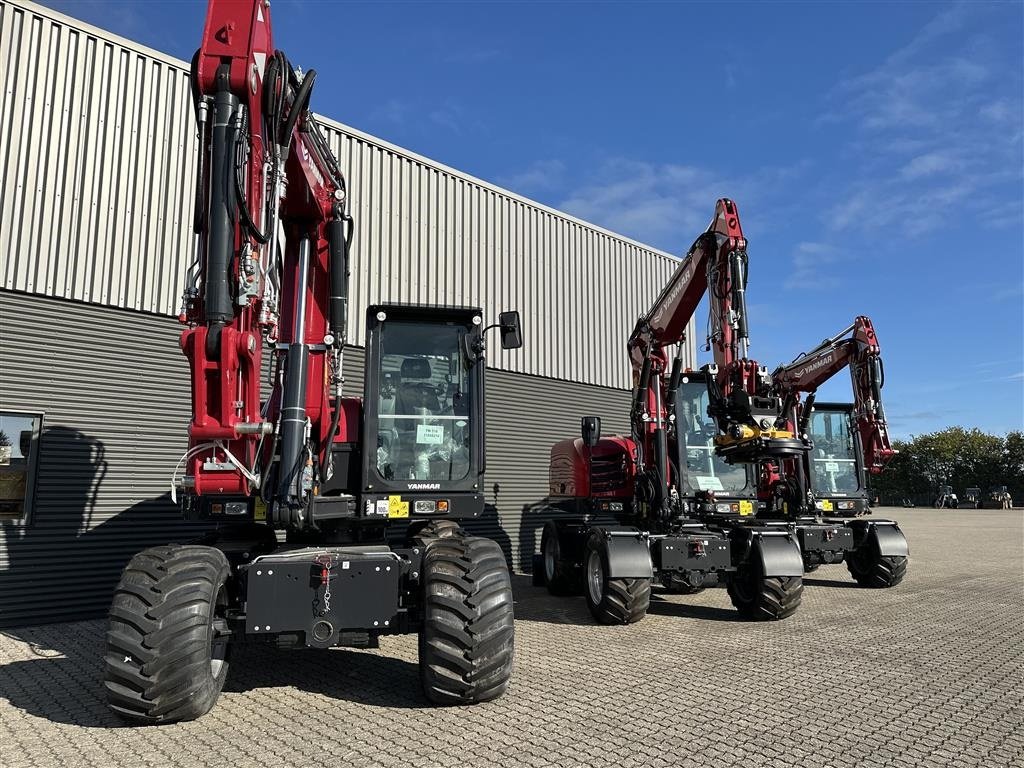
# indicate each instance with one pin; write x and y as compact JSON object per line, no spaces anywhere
{"x":511,"y":330}
{"x":590,"y":426}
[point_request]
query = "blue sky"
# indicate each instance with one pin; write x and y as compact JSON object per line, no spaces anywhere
{"x":874,"y":150}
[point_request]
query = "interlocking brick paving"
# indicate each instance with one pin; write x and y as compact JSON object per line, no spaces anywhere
{"x":926,"y":674}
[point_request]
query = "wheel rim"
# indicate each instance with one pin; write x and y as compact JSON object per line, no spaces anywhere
{"x":595,"y":577}
{"x":550,"y":557}
{"x":219,"y":634}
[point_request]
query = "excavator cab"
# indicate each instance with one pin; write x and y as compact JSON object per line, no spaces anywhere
{"x":835,"y":465}
{"x":705,"y":478}
{"x":423,"y":412}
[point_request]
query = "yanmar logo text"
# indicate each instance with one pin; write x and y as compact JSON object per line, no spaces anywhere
{"x":812,"y":367}
{"x":424,"y":486}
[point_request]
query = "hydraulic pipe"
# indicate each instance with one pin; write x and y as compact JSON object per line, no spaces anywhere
{"x":339,"y":268}
{"x":640,"y":395}
{"x":660,"y":454}
{"x":221,"y":221}
{"x":293,"y":402}
{"x":805,"y":417}
{"x":739,"y":300}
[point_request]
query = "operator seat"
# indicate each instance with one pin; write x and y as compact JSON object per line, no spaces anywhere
{"x":415,"y":392}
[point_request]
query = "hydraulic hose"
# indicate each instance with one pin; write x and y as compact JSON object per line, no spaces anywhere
{"x":299,"y":105}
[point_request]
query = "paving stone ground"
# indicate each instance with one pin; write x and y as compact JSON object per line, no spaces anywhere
{"x":927,"y":674}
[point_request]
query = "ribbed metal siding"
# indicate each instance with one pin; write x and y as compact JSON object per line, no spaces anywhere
{"x":99,"y":150}
{"x":113,"y":390}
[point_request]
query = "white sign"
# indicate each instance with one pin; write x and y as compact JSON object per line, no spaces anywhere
{"x":831,"y":466}
{"x":708,"y":483}
{"x":429,"y":434}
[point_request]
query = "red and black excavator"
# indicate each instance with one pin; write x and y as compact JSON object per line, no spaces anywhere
{"x":301,"y":485}
{"x":850,"y":441}
{"x":716,"y":482}
{"x":693,"y":435}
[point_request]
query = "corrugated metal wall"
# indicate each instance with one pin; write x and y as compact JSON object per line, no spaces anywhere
{"x":113,"y":390}
{"x":100,"y":147}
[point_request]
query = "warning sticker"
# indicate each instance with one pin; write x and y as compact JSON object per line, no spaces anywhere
{"x":397,"y":507}
{"x":429,"y":434}
{"x":746,"y":507}
{"x":382,"y":507}
{"x":259,"y":510}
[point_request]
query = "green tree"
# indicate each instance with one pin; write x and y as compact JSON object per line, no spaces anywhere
{"x":955,"y":456}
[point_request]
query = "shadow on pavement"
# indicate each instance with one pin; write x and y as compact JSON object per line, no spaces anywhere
{"x":662,"y":607}
{"x":831,"y":583}
{"x":361,"y":677}
{"x":63,"y":683}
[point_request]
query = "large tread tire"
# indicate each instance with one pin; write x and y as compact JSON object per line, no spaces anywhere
{"x":620,"y":601}
{"x":466,"y":644}
{"x":762,"y":598}
{"x":435,"y":529}
{"x":870,"y":569}
{"x":165,"y":660}
{"x":559,"y":576}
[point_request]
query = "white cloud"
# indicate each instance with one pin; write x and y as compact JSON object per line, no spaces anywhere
{"x":541,"y":175}
{"x":668,"y":205}
{"x":939,"y":124}
{"x":808,"y":262}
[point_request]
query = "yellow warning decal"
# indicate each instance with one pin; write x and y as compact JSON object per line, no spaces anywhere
{"x":397,"y":507}
{"x":259,"y":511}
{"x":746,"y":507}
{"x":826,"y":505}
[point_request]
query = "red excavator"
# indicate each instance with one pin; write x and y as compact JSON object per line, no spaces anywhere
{"x":647,"y":504}
{"x":850,"y":441}
{"x":301,"y":486}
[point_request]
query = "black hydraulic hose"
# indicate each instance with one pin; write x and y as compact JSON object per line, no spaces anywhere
{"x":199,"y":214}
{"x":298,"y":107}
{"x":243,"y":203}
{"x":193,"y":82}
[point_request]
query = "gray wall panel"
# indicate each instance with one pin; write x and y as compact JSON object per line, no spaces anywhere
{"x":113,"y":389}
{"x":97,"y":143}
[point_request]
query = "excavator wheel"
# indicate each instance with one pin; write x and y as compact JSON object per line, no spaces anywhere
{"x":434,"y":529}
{"x":763,"y":598}
{"x":871,"y":569}
{"x":612,"y":601}
{"x":167,"y":643}
{"x":558,"y":574}
{"x":466,"y":644}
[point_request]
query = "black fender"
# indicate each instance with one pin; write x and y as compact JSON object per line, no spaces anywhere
{"x":780,"y":555}
{"x":884,"y":534}
{"x":628,"y":555}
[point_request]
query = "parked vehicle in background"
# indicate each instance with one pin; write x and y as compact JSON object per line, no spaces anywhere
{"x":946,"y":498}
{"x":998,"y":498}
{"x":972,"y":498}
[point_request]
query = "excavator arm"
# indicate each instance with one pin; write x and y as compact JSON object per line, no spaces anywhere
{"x":857,"y":347}
{"x":263,"y":169}
{"x":745,"y":410}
